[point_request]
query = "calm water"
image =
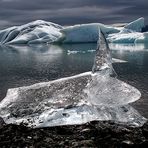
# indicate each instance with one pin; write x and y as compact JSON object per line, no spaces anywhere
{"x":25,"y":65}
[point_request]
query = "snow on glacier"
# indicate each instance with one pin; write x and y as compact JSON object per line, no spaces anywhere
{"x":96,"y":95}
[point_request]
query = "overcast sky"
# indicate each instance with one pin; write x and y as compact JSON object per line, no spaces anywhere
{"x":68,"y":12}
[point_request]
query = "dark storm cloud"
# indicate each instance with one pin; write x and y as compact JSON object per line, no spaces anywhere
{"x":16,"y":12}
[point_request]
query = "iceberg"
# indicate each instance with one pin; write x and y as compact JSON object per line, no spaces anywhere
{"x":35,"y":32}
{"x":40,"y":31}
{"x":86,"y":32}
{"x":132,"y":37}
{"x":143,"y":38}
{"x":136,"y":25}
{"x":131,"y":33}
{"x":94,"y":95}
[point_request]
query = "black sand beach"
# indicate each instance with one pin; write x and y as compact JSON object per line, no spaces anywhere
{"x":94,"y":134}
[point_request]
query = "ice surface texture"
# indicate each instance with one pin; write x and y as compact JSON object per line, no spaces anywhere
{"x":31,"y":33}
{"x":46,"y":32}
{"x":136,"y":25}
{"x":86,"y":32}
{"x":131,"y":33}
{"x":95,"y":95}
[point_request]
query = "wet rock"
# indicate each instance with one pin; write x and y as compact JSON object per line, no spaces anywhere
{"x":84,"y":143}
{"x":145,"y":130}
{"x":144,"y":144}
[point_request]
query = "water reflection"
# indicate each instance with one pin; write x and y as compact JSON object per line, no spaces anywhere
{"x":25,"y":65}
{"x":129,"y":47}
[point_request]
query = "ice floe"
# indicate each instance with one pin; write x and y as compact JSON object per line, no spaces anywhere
{"x":96,"y":95}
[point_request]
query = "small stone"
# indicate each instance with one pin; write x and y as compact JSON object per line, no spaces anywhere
{"x":29,"y":137}
{"x":85,"y":130}
{"x":127,"y":143}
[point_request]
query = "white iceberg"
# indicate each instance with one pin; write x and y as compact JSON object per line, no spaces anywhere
{"x":143,"y":38}
{"x":124,"y":37}
{"x":131,"y":33}
{"x":132,"y":37}
{"x":35,"y":32}
{"x":46,"y":32}
{"x":95,"y":95}
{"x":89,"y":33}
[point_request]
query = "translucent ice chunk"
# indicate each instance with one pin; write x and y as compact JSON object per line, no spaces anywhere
{"x":96,"y":95}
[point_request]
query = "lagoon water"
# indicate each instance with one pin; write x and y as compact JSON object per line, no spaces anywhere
{"x":25,"y":65}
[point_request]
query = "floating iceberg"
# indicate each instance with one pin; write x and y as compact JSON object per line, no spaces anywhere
{"x":35,"y":32}
{"x":46,"y":32}
{"x":131,"y":33}
{"x":132,"y":37}
{"x":96,"y":95}
{"x":86,"y":32}
{"x":136,"y":25}
{"x":89,"y":32}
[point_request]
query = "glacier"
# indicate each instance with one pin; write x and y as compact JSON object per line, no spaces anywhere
{"x":94,"y":95}
{"x":38,"y":32}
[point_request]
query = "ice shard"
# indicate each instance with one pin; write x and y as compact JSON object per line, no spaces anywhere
{"x":103,"y":60}
{"x":96,"y":95}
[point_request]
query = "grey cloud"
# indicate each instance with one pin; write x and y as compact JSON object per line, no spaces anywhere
{"x":66,"y":12}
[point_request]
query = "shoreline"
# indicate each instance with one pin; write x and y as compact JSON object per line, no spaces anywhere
{"x":92,"y":134}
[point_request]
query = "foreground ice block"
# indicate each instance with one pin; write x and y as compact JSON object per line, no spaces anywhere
{"x":96,"y":95}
